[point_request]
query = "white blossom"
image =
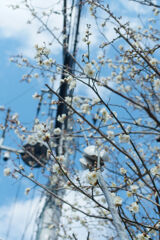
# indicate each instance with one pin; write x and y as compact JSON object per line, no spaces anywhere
{"x":139,"y":121}
{"x":21,"y":167}
{"x":156,"y":11}
{"x":72,"y":85}
{"x":124,"y":138}
{"x":155,"y":170}
{"x":31,"y":175}
{"x":68,"y":99}
{"x":31,"y":140}
{"x":157,"y":84}
{"x":36,"y":75}
{"x":36,"y":95}
{"x":105,"y":115}
{"x":7,"y":172}
{"x":119,"y":78}
{"x":153,"y":61}
{"x":143,"y":236}
{"x":129,"y":194}
{"x":56,"y":169}
{"x":40,"y":133}
{"x":15,"y":117}
{"x":134,"y":207}
{"x":46,"y":137}
{"x":117,"y":201}
{"x":61,"y":158}
{"x":134,"y":188}
{"x":57,"y":131}
{"x":88,"y":70}
{"x":61,"y":118}
{"x":95,"y":101}
{"x":76,"y":99}
{"x":27,"y":190}
{"x":110,"y":134}
{"x":123,"y":171}
{"x":121,"y":47}
{"x":92,"y":177}
{"x":86,"y":108}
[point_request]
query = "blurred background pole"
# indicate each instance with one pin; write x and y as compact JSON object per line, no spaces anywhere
{"x":49,"y":219}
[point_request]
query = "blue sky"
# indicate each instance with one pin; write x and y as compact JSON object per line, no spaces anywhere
{"x":17,"y":37}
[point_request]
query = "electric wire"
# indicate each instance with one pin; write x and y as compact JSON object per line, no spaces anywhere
{"x":36,"y":217}
{"x":13,"y":211}
{"x":20,"y":95}
{"x":28,"y":216}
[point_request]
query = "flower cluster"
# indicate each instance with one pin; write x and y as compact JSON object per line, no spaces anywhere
{"x":143,"y":236}
{"x":40,"y":134}
{"x":61,"y":118}
{"x":88,"y":70}
{"x":155,"y":170}
{"x":27,"y":190}
{"x":124,"y":138}
{"x":105,"y":115}
{"x":134,"y":207}
{"x":157,"y":84}
{"x":117,"y":201}
{"x":7,"y":172}
{"x":92,"y":178}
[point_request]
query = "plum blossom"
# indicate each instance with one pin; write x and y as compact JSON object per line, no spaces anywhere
{"x":88,"y":70}
{"x":123,"y":171}
{"x":134,"y":188}
{"x":134,"y":207}
{"x":105,"y":115}
{"x":92,"y":177}
{"x":129,"y":194}
{"x":57,"y":131}
{"x":156,"y":11}
{"x":117,"y":201}
{"x":61,"y":118}
{"x":155,"y":170}
{"x":27,"y":190}
{"x":86,"y":108}
{"x":143,"y":236}
{"x":157,"y":84}
{"x":7,"y":172}
{"x":31,"y":175}
{"x":153,"y":61}
{"x":124,"y":138}
{"x":110,"y":134}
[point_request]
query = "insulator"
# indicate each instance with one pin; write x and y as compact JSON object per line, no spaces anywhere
{"x":6,"y":156}
{"x":91,"y":152}
{"x":85,"y":163}
{"x":90,"y":157}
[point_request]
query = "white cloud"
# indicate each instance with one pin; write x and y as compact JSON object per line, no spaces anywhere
{"x":88,"y":92}
{"x":13,"y":24}
{"x":22,"y":217}
{"x":134,"y":7}
{"x":19,"y":217}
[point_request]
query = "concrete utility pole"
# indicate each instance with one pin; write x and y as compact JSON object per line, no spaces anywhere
{"x":48,"y":224}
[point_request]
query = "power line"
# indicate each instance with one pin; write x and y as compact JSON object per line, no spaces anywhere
{"x":19,"y":95}
{"x":13,"y":212}
{"x":28,"y":217}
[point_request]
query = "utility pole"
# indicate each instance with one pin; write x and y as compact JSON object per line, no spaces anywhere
{"x":49,"y":218}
